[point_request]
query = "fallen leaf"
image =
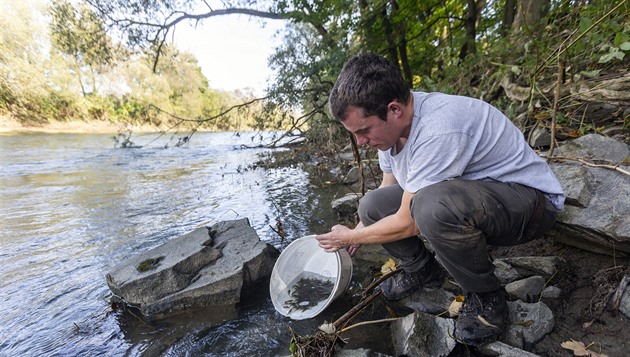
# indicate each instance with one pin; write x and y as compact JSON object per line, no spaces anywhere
{"x":485,"y":322}
{"x":527,"y":323}
{"x":579,"y":349}
{"x":456,"y":305}
{"x":389,"y":266}
{"x":328,"y":328}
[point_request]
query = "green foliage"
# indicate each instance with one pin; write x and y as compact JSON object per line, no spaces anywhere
{"x":52,"y":73}
{"x":440,"y":46}
{"x":80,"y":35}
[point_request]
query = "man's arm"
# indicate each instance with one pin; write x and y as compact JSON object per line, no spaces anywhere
{"x":388,"y":180}
{"x":398,"y":226}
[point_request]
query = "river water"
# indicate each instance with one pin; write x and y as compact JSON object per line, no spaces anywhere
{"x":73,"y":207}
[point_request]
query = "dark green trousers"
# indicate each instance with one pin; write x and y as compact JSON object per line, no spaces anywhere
{"x":459,"y":219}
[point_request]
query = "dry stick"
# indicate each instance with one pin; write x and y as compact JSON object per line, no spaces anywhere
{"x":356,"y":310}
{"x":378,"y":281}
{"x":556,"y":99}
{"x":352,"y":313}
{"x":590,"y":164}
{"x":367,"y":323}
{"x":560,"y":50}
{"x":357,"y":158}
{"x":616,"y":298}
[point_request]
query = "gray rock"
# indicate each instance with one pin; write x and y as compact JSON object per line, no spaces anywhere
{"x":352,"y":176}
{"x":622,"y":302}
{"x":577,"y":185}
{"x":595,"y":147}
{"x":347,"y":205}
{"x":624,"y":305}
{"x":505,"y":272}
{"x":500,"y":349}
{"x":596,"y":215}
{"x":529,"y":323}
{"x":361,"y":352}
{"x":540,"y":137}
{"x":206,"y":267}
{"x":552,"y":292}
{"x":420,"y":334}
{"x":346,"y":156}
{"x":528,"y":289}
{"x":433,"y":301}
{"x":528,"y":266}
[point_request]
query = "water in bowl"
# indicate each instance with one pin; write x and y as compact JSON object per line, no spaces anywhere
{"x":307,"y":291}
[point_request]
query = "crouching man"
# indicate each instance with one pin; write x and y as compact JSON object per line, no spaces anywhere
{"x":457,"y":172}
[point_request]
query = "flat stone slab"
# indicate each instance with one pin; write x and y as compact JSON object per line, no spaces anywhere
{"x":206,"y":267}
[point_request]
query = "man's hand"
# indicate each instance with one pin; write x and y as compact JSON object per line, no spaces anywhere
{"x":338,"y":237}
{"x":352,"y":249}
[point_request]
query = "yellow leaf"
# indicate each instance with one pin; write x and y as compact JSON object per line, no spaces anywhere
{"x":577,"y":347}
{"x":527,"y":323}
{"x":456,"y":305}
{"x":485,"y":322}
{"x":390,"y":265}
{"x":328,"y":328}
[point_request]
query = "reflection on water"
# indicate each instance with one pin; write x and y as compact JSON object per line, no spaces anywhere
{"x":73,"y":207}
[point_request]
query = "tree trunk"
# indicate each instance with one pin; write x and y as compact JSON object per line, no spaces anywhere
{"x":78,"y":70}
{"x":528,"y":14}
{"x":363,"y":11}
{"x":471,"y":30}
{"x":390,"y":36}
{"x":508,"y":17}
{"x":402,"y":48}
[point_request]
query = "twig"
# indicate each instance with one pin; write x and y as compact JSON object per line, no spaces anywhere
{"x":367,"y":323}
{"x":352,"y":313}
{"x":367,"y":299}
{"x":357,"y":158}
{"x":560,"y":48}
{"x":378,"y":281}
{"x":616,"y":298}
{"x":556,"y":99}
{"x":590,"y":164}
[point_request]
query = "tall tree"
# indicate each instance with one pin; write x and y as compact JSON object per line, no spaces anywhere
{"x":22,"y":41}
{"x":80,"y":34}
{"x":528,"y":14}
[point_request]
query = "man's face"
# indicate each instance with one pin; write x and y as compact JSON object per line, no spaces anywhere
{"x":371,"y":130}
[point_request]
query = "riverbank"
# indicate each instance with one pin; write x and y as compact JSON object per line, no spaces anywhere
{"x":10,"y":125}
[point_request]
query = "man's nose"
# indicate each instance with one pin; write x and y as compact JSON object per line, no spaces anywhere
{"x":361,"y":140}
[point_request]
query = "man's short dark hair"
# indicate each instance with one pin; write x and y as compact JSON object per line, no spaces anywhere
{"x":368,"y":81}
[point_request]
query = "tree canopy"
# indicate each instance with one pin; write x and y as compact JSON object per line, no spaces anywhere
{"x":534,"y":59}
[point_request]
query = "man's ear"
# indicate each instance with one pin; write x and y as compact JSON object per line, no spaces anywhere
{"x":395,"y":107}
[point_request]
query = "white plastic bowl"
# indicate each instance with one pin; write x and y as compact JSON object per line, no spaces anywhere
{"x":304,"y":258}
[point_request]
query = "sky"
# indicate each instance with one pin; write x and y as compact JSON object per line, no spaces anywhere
{"x":232,"y":50}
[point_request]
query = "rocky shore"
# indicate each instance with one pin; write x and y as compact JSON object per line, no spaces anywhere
{"x":566,"y":290}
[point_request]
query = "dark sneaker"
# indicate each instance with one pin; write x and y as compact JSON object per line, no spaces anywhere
{"x":482,"y":318}
{"x":404,"y":283}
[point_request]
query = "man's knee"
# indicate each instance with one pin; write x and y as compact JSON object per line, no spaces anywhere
{"x":435,"y":207}
{"x":368,"y":208}
{"x":380,"y":203}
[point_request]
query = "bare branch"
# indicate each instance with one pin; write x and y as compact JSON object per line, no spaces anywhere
{"x":591,"y":164}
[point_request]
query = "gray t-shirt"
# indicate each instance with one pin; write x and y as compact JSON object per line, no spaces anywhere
{"x":460,"y":137}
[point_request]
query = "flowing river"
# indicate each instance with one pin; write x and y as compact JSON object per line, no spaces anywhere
{"x":73,"y":207}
